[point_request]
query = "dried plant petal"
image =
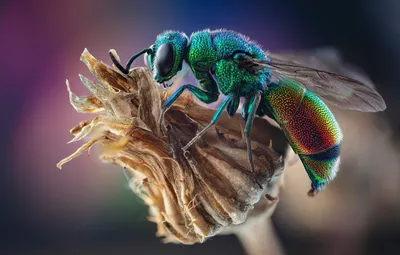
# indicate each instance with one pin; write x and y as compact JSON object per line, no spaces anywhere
{"x":193,"y":195}
{"x":89,"y":104}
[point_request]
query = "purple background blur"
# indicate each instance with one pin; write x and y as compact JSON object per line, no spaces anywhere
{"x":87,"y":207}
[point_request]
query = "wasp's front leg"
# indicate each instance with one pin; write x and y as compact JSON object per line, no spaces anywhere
{"x":204,"y":96}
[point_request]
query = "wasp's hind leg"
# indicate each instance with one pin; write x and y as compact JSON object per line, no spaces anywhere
{"x":214,"y":120}
{"x":242,"y":143}
{"x":251,"y":112}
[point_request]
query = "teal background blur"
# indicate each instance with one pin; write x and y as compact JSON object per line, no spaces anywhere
{"x":87,"y":208}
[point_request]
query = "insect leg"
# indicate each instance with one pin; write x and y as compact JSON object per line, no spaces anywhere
{"x":214,"y":120}
{"x":255,"y":101}
{"x":202,"y":95}
{"x":245,"y":109}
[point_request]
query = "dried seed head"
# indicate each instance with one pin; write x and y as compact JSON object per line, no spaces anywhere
{"x":191,"y":196}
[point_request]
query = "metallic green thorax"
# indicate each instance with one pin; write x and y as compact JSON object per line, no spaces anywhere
{"x":214,"y":50}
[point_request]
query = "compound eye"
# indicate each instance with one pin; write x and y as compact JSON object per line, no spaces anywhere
{"x":165,"y":59}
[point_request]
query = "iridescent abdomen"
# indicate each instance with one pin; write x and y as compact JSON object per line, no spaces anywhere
{"x":310,"y":127}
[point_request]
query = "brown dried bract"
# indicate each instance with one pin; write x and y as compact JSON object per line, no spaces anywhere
{"x":192,"y":195}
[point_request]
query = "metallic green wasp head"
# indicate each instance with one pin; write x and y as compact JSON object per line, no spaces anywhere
{"x":166,"y":60}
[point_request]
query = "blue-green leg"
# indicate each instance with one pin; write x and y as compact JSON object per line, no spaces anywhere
{"x":204,"y":96}
{"x":245,"y":109}
{"x":214,"y":120}
{"x":251,"y":112}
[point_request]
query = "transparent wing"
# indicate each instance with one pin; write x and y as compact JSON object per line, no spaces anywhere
{"x":338,"y":83}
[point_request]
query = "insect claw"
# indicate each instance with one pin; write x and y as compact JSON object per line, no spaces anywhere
{"x":271,"y":198}
{"x":312,"y":192}
{"x":259,"y":184}
{"x":186,"y":154}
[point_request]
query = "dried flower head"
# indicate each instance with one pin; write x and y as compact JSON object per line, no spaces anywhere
{"x":192,"y":195}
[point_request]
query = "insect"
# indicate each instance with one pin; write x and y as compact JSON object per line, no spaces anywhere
{"x":228,"y":62}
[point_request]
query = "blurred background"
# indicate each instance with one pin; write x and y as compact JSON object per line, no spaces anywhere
{"x":87,"y":208}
